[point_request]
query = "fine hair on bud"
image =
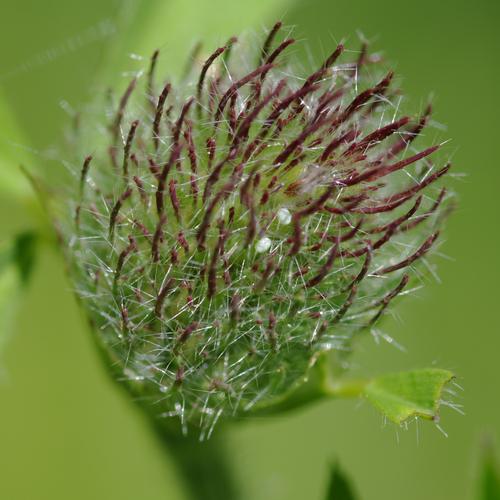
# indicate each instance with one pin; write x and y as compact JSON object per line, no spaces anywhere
{"x":226,"y":228}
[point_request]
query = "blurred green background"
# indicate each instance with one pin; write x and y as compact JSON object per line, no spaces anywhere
{"x":67,"y":433}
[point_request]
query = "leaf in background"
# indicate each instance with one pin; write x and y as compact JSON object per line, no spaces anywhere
{"x":130,"y":23}
{"x":175,"y":26}
{"x":489,"y":482}
{"x":13,"y":184}
{"x":403,"y":395}
{"x":16,"y":265}
{"x":339,"y":487}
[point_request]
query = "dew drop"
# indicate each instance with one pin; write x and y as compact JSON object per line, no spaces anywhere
{"x":263,"y":245}
{"x":284,"y":216}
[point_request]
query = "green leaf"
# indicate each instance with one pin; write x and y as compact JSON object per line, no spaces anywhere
{"x":175,"y":26}
{"x":403,"y":395}
{"x":13,"y":184}
{"x":340,"y":487}
{"x":398,"y":396}
{"x":489,"y":482}
{"x":16,"y":265}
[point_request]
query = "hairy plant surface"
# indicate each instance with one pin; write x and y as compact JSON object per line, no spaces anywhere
{"x":227,"y":229}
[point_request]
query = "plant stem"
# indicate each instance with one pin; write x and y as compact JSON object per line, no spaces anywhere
{"x":346,"y":388}
{"x":203,"y":465}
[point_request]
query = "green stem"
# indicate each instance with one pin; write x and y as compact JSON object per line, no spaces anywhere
{"x":346,"y":388}
{"x":202,"y":465}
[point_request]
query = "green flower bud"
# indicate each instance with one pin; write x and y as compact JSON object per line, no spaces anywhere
{"x":232,"y":227}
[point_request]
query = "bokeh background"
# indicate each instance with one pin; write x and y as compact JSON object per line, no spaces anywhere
{"x":67,"y":433}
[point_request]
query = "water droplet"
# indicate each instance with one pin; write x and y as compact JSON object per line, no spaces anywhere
{"x":263,"y":245}
{"x":284,"y":216}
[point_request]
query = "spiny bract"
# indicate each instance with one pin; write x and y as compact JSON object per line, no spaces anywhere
{"x":229,"y":228}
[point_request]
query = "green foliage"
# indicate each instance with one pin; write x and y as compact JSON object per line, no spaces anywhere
{"x":211,"y":22}
{"x":340,"y":487}
{"x":23,"y":255}
{"x":397,"y":396}
{"x":16,"y":264}
{"x":403,"y":395}
{"x":489,"y":480}
{"x":13,"y":185}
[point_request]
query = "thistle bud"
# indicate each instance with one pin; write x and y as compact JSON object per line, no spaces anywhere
{"x":231,"y":227}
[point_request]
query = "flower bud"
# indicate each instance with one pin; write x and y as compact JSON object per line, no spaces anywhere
{"x":231,"y":227}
